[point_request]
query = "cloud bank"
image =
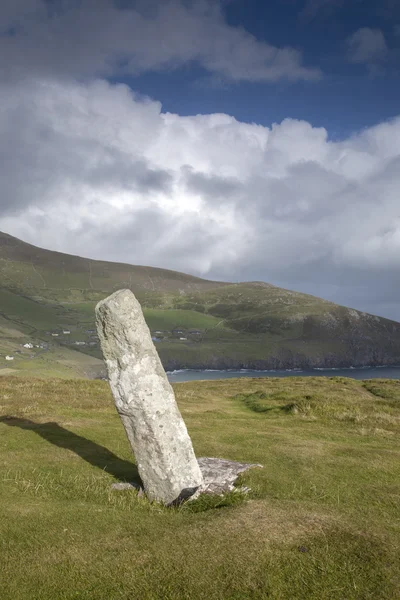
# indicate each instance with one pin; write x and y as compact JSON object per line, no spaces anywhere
{"x":81,"y":38}
{"x":89,"y":167}
{"x":92,"y":169}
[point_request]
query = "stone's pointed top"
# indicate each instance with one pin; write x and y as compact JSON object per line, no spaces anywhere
{"x":118,"y":294}
{"x":117,"y":298}
{"x":145,"y":401}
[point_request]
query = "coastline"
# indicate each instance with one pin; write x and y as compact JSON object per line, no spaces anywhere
{"x":284,"y":362}
{"x":367,"y":367}
{"x":360,"y":373}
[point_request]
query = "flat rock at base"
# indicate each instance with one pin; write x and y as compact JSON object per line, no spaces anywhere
{"x":126,"y":485}
{"x":219,"y":476}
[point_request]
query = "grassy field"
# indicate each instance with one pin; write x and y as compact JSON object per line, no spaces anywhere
{"x":56,"y":362}
{"x":321,"y":521}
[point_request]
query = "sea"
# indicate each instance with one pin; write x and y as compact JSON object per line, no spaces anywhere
{"x":352,"y":372}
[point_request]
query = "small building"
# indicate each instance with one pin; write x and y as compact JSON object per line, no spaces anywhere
{"x":80,"y":343}
{"x":178,"y":332}
{"x":66,"y":332}
{"x":183,"y":339}
{"x":28,"y":345}
{"x":54,"y":334}
{"x":9,"y":357}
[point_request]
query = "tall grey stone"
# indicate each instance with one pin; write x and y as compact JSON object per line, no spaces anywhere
{"x":145,"y":401}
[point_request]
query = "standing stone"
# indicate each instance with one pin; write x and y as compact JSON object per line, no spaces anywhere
{"x":145,"y":401}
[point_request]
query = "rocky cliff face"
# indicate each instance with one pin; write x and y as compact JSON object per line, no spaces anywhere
{"x":288,"y":360}
{"x":339,"y":338}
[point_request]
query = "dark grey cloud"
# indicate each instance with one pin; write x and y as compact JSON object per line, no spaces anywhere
{"x":41,"y":161}
{"x":221,"y":189}
{"x":85,"y":38}
{"x":117,"y":168}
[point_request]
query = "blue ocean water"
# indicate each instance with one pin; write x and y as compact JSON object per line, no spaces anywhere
{"x":352,"y":372}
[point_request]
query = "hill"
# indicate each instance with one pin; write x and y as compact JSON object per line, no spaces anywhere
{"x":47,"y":300}
{"x":320,"y":522}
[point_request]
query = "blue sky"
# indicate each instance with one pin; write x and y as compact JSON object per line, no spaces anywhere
{"x":234,"y":139}
{"x":347,"y":97}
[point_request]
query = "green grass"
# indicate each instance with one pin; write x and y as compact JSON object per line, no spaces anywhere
{"x":251,"y":325}
{"x":318,"y":397}
{"x":26,"y":312}
{"x":321,"y":521}
{"x":184,"y":319}
{"x":56,"y":361}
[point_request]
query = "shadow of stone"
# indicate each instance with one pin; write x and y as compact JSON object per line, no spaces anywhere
{"x":93,"y":453}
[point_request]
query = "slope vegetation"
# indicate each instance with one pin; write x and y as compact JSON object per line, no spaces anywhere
{"x":49,"y":298}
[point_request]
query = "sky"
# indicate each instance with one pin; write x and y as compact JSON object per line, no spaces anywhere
{"x":237,"y":140}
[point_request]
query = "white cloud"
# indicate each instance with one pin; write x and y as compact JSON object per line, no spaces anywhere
{"x":86,"y":38}
{"x":91,"y":169}
{"x":367,"y":46}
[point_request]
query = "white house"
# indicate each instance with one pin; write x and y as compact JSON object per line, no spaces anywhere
{"x":54,"y":334}
{"x":28,"y":345}
{"x":9,"y":357}
{"x":183,"y":339}
{"x":80,"y":343}
{"x":66,"y":332}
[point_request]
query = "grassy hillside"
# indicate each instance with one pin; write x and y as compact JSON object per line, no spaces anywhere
{"x":30,"y":267}
{"x":196,"y":323}
{"x":320,"y":523}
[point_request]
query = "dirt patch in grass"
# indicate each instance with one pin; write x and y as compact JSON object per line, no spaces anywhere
{"x":282,"y":522}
